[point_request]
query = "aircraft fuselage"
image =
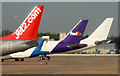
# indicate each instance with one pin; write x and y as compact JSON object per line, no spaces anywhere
{"x":12,"y":46}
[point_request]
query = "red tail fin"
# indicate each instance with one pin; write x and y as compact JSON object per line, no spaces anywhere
{"x":29,"y":28}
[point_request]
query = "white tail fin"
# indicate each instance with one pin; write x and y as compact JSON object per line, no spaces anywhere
{"x":102,"y":31}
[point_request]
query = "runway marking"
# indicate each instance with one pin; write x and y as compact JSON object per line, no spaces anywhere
{"x":62,"y":72}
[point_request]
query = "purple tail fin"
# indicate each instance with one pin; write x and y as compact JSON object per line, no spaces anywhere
{"x":75,"y":35}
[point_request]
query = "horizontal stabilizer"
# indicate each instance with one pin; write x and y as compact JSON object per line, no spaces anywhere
{"x":30,"y":42}
{"x":46,"y":37}
{"x":101,"y":42}
{"x":77,"y":46}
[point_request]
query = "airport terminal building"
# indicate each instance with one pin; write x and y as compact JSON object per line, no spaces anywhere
{"x":109,"y":48}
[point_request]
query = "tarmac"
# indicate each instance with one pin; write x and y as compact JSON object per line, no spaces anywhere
{"x":63,"y":65}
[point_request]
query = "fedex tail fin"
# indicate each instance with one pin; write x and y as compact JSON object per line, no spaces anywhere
{"x":29,"y":28}
{"x":75,"y":35}
{"x":101,"y":33}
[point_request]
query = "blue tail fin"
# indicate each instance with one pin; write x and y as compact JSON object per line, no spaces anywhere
{"x":37,"y":50}
{"x":75,"y":35}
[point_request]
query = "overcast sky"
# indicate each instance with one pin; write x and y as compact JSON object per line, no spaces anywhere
{"x":60,"y":0}
{"x":61,"y":16}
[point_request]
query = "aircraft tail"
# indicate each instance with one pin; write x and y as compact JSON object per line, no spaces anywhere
{"x":37,"y":50}
{"x":75,"y":35}
{"x":101,"y":33}
{"x":29,"y":28}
